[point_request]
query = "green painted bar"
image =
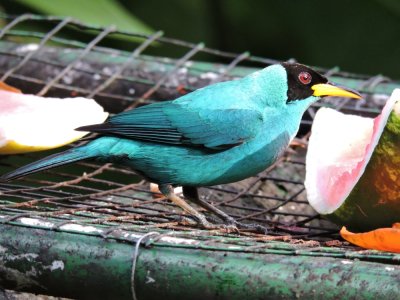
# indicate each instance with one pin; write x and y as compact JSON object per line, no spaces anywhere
{"x":89,"y":267}
{"x":63,"y":264}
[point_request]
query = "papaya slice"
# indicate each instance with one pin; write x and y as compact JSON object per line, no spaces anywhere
{"x":383,"y":239}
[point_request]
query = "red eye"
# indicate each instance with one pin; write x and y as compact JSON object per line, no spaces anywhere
{"x":305,"y":77}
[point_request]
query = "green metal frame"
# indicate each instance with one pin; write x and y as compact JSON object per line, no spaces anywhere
{"x":77,"y":262}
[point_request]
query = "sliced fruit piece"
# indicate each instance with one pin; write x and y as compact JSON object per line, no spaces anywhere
{"x":353,"y":167}
{"x":384,"y":239}
{"x":31,"y":123}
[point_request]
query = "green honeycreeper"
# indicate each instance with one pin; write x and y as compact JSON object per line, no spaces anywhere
{"x":218,"y":134}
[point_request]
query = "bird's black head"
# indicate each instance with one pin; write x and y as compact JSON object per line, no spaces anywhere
{"x":304,"y":82}
{"x":300,"y":80}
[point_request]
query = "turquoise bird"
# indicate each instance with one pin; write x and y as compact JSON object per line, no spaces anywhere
{"x":218,"y":134}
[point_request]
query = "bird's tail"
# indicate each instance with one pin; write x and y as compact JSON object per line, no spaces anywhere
{"x":55,"y":160}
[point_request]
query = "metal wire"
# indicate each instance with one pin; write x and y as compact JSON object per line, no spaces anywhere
{"x":139,"y":241}
{"x":114,"y":199}
{"x":96,"y":40}
{"x":133,"y":56}
{"x":41,"y":44}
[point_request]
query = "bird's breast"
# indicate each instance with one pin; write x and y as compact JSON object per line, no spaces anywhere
{"x":257,"y":156}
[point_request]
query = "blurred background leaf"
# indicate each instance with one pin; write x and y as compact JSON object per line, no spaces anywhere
{"x":96,"y":12}
{"x":391,"y":5}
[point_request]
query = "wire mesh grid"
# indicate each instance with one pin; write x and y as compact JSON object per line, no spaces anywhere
{"x":113,"y":201}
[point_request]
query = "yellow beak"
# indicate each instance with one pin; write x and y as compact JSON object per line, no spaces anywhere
{"x":329,"y":89}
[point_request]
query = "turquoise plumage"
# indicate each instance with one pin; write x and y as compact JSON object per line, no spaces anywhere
{"x":218,"y":134}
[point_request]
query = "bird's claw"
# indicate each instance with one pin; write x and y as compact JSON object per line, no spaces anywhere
{"x":204,"y":224}
{"x":252,"y":227}
{"x":230,"y":226}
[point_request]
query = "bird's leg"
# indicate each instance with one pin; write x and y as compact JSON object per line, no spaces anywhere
{"x":168,"y":191}
{"x":192,"y":194}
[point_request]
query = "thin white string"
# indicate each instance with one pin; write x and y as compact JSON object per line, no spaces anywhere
{"x":135,"y":257}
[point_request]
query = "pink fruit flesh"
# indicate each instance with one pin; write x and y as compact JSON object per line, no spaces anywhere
{"x":334,"y":184}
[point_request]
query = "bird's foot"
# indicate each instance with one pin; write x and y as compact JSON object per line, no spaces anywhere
{"x":232,"y":225}
{"x":228,"y":228}
{"x":192,"y":194}
{"x":251,"y":227}
{"x":205,"y":224}
{"x":229,"y":225}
